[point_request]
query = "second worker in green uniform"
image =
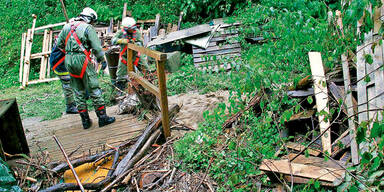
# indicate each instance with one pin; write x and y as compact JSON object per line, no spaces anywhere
{"x":128,"y":34}
{"x":78,"y":38}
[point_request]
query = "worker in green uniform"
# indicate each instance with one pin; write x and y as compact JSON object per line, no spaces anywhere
{"x":128,"y":34}
{"x":78,"y":39}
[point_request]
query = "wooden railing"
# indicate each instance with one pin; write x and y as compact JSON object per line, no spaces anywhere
{"x":161,"y":91}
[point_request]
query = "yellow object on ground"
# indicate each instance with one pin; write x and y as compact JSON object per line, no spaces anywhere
{"x":89,"y":173}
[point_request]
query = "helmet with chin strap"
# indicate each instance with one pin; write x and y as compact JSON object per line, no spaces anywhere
{"x":90,"y":14}
{"x":128,"y":22}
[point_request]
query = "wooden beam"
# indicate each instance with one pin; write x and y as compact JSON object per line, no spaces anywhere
{"x":22,"y":52}
{"x":130,"y":60}
{"x":149,"y":52}
{"x":321,"y":95}
{"x":163,"y":97}
{"x":145,"y":83}
{"x":298,"y":147}
{"x":50,"y":26}
{"x":39,"y":55}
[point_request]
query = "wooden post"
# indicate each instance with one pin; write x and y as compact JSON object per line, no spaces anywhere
{"x":348,"y":98}
{"x":130,"y":59}
{"x":64,"y":11}
{"x":378,"y":62}
{"x":321,"y":94}
{"x":22,"y":51}
{"x":157,"y":25}
{"x":43,"y":66}
{"x":50,"y":36}
{"x":124,"y":11}
{"x":163,"y":97}
{"x":179,"y":22}
{"x":27,"y":61}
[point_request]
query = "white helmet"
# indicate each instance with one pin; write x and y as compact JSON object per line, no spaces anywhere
{"x":88,"y":12}
{"x":128,"y":22}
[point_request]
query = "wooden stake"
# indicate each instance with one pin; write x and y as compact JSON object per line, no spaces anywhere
{"x":163,"y":97}
{"x":64,"y":11}
{"x":50,"y":36}
{"x":69,"y":163}
{"x":22,"y":51}
{"x":179,"y":22}
{"x":321,"y":94}
{"x":124,"y":11}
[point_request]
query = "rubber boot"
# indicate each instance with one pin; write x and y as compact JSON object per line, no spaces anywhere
{"x":71,"y":109}
{"x":87,"y":123}
{"x":103,"y":118}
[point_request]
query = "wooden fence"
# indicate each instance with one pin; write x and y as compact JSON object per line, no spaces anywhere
{"x":161,"y":91}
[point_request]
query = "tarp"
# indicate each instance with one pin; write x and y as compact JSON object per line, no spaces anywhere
{"x":7,"y":181}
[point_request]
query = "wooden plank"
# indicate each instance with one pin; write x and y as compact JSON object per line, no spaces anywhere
{"x":50,"y":26}
{"x":43,"y":59}
{"x":224,"y":38}
{"x":182,"y":34}
{"x":42,"y":81}
{"x":22,"y":52}
{"x":338,"y":95}
{"x":163,"y":97}
{"x":145,"y":83}
{"x":298,"y":147}
{"x":348,"y":98}
{"x":130,"y":60}
{"x":215,"y":48}
{"x":39,"y":55}
{"x":300,"y":180}
{"x":157,"y":26}
{"x":302,"y":170}
{"x":321,"y":95}
{"x":219,"y":57}
{"x":149,"y":52}
{"x":218,"y":52}
{"x":146,"y":21}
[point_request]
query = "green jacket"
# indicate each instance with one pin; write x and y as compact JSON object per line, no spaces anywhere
{"x":138,"y":40}
{"x":74,"y":55}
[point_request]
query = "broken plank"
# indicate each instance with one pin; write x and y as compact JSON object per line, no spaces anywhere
{"x":216,"y":48}
{"x":338,"y":95}
{"x":182,"y":34}
{"x":321,"y":95}
{"x":302,"y":170}
{"x":298,"y":147}
{"x":218,"y":52}
{"x":301,"y":93}
{"x":50,"y":26}
{"x":42,"y":81}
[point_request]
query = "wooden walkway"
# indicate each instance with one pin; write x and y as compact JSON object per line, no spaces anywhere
{"x":68,"y":129}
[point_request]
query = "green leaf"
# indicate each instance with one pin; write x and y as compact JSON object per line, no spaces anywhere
{"x":317,"y":185}
{"x":368,"y":58}
{"x":367,"y":79}
{"x":310,"y":99}
{"x":376,"y":130}
{"x":353,"y":188}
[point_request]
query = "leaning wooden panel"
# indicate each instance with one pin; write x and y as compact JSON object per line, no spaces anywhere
{"x":321,"y":95}
{"x":22,"y":51}
{"x":145,"y":83}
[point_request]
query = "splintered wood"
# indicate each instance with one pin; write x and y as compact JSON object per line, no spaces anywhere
{"x":321,"y":95}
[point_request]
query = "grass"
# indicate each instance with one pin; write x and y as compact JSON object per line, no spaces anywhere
{"x":46,"y":100}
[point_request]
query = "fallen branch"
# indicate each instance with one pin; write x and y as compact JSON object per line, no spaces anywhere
{"x":123,"y":165}
{"x":254,"y":101}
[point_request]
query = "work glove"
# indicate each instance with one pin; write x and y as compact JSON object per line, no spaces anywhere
{"x":103,"y":65}
{"x":122,"y":41}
